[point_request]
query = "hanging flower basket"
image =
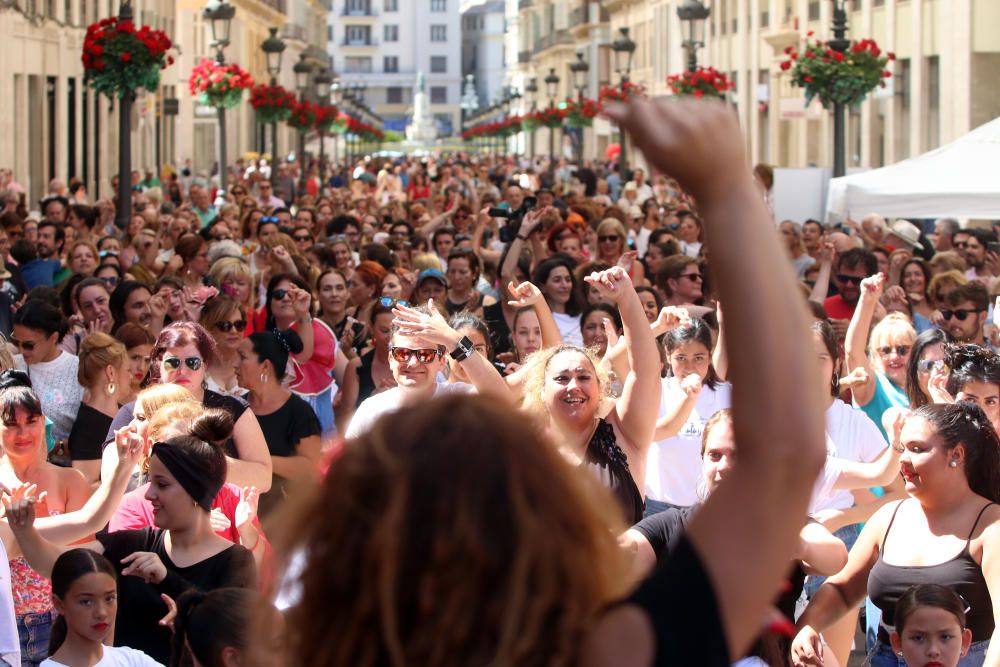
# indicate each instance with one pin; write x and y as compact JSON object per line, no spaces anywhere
{"x":704,"y":81}
{"x":303,"y":116}
{"x":581,"y":114}
{"x":272,"y":103}
{"x":619,"y":93}
{"x":834,"y":77}
{"x":118,"y":59}
{"x":530,"y":122}
{"x":326,"y":118}
{"x":550,"y":117}
{"x":219,"y":86}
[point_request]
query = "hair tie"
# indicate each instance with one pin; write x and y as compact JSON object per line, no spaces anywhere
{"x":281,"y":339}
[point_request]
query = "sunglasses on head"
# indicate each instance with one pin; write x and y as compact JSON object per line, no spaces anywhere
{"x":609,"y":237}
{"x":268,"y":219}
{"x":927,"y":365}
{"x":854,"y":280}
{"x":901,"y":350}
{"x":226,"y":326}
{"x":403,"y":355}
{"x":960,"y":314}
{"x":389,"y":302}
{"x":173,"y":363}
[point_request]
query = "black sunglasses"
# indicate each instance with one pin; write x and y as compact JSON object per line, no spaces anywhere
{"x":388,"y":302}
{"x":24,"y":345}
{"x":927,"y":365}
{"x":610,"y":237}
{"x":279,"y":294}
{"x":696,"y":277}
{"x":403,"y":355}
{"x":110,"y":281}
{"x":901,"y":350}
{"x":173,"y":363}
{"x":226,"y":326}
{"x":302,"y":237}
{"x":960,"y":314}
{"x":854,"y":280}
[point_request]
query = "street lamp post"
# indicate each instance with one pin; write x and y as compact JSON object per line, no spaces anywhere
{"x":124,"y":211}
{"x":347,"y":99}
{"x":515,"y":98}
{"x":579,"y":69}
{"x":839,"y":43}
{"x":220,"y":15}
{"x":693,"y":15}
{"x":335,"y":98}
{"x":552,"y":88}
{"x":302,"y":71}
{"x":273,"y":47}
{"x":623,"y":48}
{"x":322,"y":80}
{"x":531,"y":99}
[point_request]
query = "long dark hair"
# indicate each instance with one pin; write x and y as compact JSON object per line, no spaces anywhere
{"x":829,"y":338}
{"x":207,"y":623}
{"x":544,"y":269}
{"x":273,"y":285}
{"x":41,"y":316}
{"x":116,"y":304}
{"x":70,"y":566}
{"x":925,"y":340}
{"x":964,"y":423}
{"x":696,"y":331}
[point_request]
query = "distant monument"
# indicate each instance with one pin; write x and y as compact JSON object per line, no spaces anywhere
{"x":421,"y":129}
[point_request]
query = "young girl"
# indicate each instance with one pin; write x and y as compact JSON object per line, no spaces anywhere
{"x":85,"y":593}
{"x":228,"y":627}
{"x":930,"y":627}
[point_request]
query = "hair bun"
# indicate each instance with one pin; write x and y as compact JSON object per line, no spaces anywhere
{"x":213,"y":426}
{"x":12,"y":377}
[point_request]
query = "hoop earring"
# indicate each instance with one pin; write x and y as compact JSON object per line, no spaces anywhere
{"x":263,"y":376}
{"x":111,"y":388}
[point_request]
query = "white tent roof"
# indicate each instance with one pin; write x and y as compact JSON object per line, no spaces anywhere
{"x":959,"y":180}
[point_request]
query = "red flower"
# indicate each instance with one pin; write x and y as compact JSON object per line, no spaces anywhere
{"x":891,"y":55}
{"x":807,"y":79}
{"x":125,"y":56}
{"x":786,"y":65}
{"x":886,"y":74}
{"x":838,"y":56}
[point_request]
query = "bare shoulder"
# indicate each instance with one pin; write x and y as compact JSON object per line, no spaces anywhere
{"x":623,"y":638}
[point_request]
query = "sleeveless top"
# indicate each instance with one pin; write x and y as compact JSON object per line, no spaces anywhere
{"x":472,"y":304}
{"x":606,"y":460}
{"x":32,"y":592}
{"x":887,"y":583}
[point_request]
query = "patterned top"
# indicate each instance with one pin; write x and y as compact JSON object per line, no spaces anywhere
{"x":606,"y":460}
{"x":32,"y":592}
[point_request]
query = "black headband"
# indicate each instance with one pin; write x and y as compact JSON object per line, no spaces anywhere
{"x":192,"y":477}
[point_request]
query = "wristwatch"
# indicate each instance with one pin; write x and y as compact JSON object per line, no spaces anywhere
{"x":463,"y":350}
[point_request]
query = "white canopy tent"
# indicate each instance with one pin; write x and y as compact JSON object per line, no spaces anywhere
{"x":957,"y":180}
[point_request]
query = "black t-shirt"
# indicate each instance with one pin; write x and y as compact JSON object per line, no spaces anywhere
{"x":283,"y":430}
{"x":366,"y":385}
{"x":234,"y":406}
{"x":140,"y":607}
{"x":682,"y":608}
{"x":86,"y":439}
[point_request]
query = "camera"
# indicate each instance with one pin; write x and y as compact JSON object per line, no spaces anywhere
{"x":513,"y":218}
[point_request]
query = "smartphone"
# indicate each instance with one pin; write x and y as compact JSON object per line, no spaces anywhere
{"x":993,"y":247}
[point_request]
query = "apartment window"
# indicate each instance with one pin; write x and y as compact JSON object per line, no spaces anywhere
{"x":358,"y":34}
{"x":391,"y":5}
{"x":390,"y":64}
{"x":394,"y":95}
{"x":439,"y":5}
{"x":329,"y":33}
{"x":933,"y":117}
{"x":439,"y":94}
{"x":359,"y":7}
{"x":814,"y":10}
{"x":391,"y":33}
{"x":439,"y":64}
{"x":439,"y":33}
{"x":765,"y":18}
{"x":358,"y":64}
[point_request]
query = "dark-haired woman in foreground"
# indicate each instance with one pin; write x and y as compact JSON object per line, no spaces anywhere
{"x":181,"y":552}
{"x":290,"y":426}
{"x":228,"y":627}
{"x":85,"y":593}
{"x":947,"y":532}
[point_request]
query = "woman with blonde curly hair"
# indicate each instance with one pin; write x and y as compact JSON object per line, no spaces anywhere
{"x":566,"y":388}
{"x":517,"y":552}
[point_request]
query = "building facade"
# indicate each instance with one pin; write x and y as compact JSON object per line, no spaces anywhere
{"x":483,"y":54}
{"x":58,"y":128}
{"x":385,"y":44}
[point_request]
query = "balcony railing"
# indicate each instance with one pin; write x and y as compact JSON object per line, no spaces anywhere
{"x":371,"y":41}
{"x":553,"y":38}
{"x":278,"y":5}
{"x":582,"y":14}
{"x":293,"y":31}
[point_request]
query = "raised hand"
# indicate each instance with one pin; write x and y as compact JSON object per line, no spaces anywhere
{"x":807,"y":648}
{"x":855,"y":378}
{"x":432,"y":328}
{"x":611,"y":283}
{"x":895,"y":294}
{"x":246,"y":510}
{"x":146,"y":565}
{"x":20,"y":514}
{"x":129,"y":446}
{"x":168,"y":620}
{"x":670,"y":318}
{"x":872,"y":285}
{"x":301,"y":301}
{"x":523,"y":295}
{"x":627,"y":260}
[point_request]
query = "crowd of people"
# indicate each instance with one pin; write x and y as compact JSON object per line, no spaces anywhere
{"x":469,"y":410}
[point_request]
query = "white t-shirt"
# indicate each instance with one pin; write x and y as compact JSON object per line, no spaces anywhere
{"x":10,"y":646}
{"x":851,"y":435}
{"x":58,"y":390}
{"x":569,"y":328}
{"x":374,"y":407}
{"x":115,"y":656}
{"x":673,"y":467}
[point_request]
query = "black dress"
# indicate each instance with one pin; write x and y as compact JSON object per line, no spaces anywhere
{"x":283,"y":430}
{"x":86,"y":439}
{"x":606,"y":460}
{"x":139,"y":604}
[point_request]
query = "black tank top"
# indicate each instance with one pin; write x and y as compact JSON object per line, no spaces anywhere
{"x":606,"y":460}
{"x":887,"y":583}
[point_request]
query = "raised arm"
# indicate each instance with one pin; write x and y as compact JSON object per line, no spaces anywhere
{"x":636,"y":408}
{"x":748,"y":529}
{"x":253,"y":467}
{"x":857,"y":338}
{"x":822,"y":286}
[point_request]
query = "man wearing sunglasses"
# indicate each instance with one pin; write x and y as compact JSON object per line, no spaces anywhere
{"x":965,"y":312}
{"x":851,"y":268}
{"x":419,"y":340}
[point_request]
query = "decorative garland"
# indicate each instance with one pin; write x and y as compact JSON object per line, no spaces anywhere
{"x":582,"y":113}
{"x":701,"y":82}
